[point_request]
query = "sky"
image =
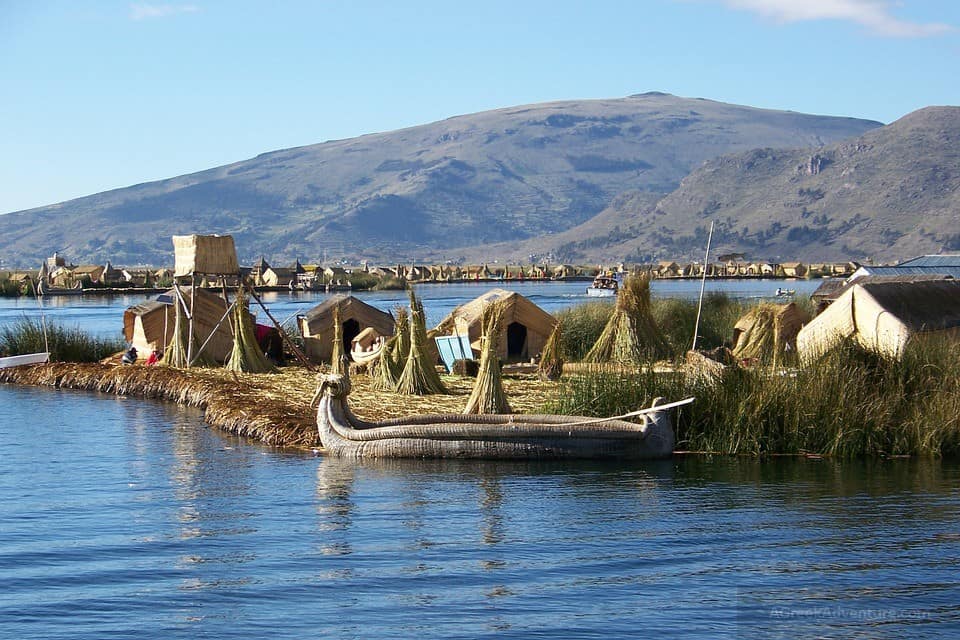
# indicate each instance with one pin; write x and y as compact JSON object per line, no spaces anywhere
{"x":104,"y":94}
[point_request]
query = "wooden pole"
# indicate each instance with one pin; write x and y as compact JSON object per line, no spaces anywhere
{"x":703,"y":284}
{"x":283,"y":334}
{"x":193,"y":299}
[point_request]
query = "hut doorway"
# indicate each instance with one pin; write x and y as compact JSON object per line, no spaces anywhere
{"x":516,"y":341}
{"x":351,"y":328}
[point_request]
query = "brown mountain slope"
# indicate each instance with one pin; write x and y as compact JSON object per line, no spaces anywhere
{"x":892,"y":193}
{"x":504,"y":175}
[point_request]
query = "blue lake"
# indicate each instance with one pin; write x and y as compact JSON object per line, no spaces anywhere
{"x":103,"y":315}
{"x":124,"y":518}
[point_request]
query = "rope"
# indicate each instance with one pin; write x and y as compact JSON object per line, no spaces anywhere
{"x":632,"y":414}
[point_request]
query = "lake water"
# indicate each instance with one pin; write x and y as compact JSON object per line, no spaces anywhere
{"x":103,"y":315}
{"x":125,"y":518}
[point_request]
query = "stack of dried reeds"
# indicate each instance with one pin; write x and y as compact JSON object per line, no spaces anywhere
{"x":338,"y":361}
{"x":246,"y":356}
{"x":419,"y":375}
{"x":393,"y":355}
{"x":488,"y":395}
{"x":631,"y":336}
{"x":767,"y":331}
{"x":175,"y":354}
{"x":551,"y":359}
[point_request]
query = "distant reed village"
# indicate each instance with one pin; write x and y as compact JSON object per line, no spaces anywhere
{"x":56,"y":276}
{"x":868,"y":365}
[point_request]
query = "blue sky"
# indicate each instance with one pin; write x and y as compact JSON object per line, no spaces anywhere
{"x":100,"y":95}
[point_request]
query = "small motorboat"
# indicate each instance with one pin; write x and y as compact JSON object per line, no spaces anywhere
{"x":785,"y":293}
{"x":604,"y":287}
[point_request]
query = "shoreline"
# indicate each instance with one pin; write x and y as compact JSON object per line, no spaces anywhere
{"x":273,"y":409}
{"x":234,"y":406}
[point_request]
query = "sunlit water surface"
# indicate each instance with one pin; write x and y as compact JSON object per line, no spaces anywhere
{"x":123,"y":518}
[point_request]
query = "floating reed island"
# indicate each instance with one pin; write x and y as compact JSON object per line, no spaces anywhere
{"x":272,"y":408}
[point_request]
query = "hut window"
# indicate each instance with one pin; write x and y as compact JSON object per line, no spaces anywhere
{"x":516,"y":340}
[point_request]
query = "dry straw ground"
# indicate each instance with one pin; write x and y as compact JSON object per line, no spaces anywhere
{"x":272,"y":408}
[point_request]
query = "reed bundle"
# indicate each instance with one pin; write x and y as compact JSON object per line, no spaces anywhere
{"x":394,"y":353}
{"x":550,"y":366}
{"x":488,"y":395}
{"x":175,"y":354}
{"x":247,"y":356}
{"x":419,"y":376}
{"x":337,"y":357}
{"x":631,"y":336}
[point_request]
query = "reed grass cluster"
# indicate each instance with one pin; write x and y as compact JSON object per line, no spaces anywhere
{"x":631,"y":335}
{"x":247,"y":356}
{"x":487,"y":395}
{"x":338,"y":359}
{"x":65,"y":344}
{"x":853,"y":402}
{"x":550,"y":366}
{"x":419,"y":375}
{"x":393,"y":355}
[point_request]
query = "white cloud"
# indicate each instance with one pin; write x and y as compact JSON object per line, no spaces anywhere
{"x":144,"y":11}
{"x":875,"y":15}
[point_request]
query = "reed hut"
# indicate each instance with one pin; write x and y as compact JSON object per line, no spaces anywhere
{"x":884,"y":316}
{"x":768,"y":331}
{"x":149,"y":326}
{"x":524,"y":330}
{"x":317,"y":325}
{"x":204,"y":255}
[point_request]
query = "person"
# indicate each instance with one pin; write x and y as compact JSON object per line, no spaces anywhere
{"x":154,"y":357}
{"x":130,"y":356}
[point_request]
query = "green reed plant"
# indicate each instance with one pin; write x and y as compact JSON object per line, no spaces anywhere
{"x":65,"y":344}
{"x":852,"y":402}
{"x":582,"y":325}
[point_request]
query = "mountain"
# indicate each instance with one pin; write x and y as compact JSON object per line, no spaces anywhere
{"x":892,"y":193}
{"x":504,"y":175}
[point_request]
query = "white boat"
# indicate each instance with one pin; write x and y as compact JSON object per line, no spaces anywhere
{"x":603,"y":287}
{"x":21,"y":360}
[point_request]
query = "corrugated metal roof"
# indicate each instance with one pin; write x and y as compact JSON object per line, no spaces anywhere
{"x":943,"y":260}
{"x":911,"y":270}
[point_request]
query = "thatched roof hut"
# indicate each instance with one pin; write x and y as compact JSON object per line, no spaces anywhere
{"x":767,"y":331}
{"x":317,"y":324}
{"x":524,"y":331}
{"x":211,"y":255}
{"x":884,"y":316}
{"x":149,"y":325}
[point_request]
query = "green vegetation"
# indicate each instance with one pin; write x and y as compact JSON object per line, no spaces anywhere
{"x":65,"y":344}
{"x":853,"y":402}
{"x":361,"y":281}
{"x":9,"y":288}
{"x":583,"y":324}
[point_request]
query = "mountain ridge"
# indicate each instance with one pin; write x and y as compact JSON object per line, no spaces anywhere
{"x":510,"y":174}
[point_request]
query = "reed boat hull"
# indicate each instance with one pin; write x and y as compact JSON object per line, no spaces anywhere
{"x":25,"y":359}
{"x":500,"y":437}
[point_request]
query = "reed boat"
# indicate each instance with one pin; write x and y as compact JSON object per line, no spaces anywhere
{"x":24,"y":359}
{"x":366,"y":347}
{"x":44,"y":289}
{"x":488,"y":436}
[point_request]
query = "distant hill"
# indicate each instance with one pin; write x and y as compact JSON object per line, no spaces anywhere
{"x":891,"y":193}
{"x":507,"y":175}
